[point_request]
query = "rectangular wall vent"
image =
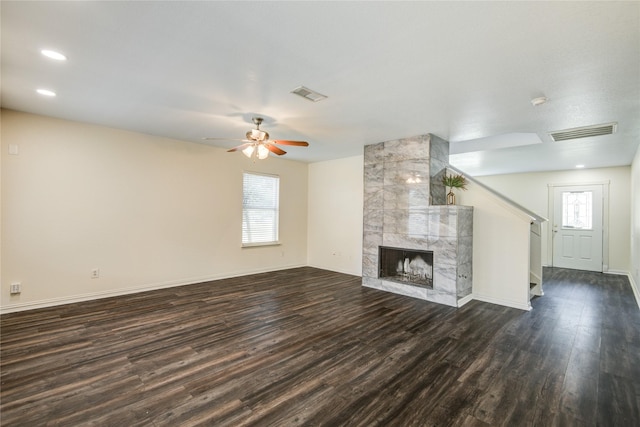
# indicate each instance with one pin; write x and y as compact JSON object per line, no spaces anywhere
{"x":309,"y":94}
{"x":584,"y":132}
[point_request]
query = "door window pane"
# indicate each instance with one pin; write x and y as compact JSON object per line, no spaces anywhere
{"x":577,"y":207}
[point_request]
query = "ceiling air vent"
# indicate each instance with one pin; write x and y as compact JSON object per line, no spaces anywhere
{"x":309,"y":94}
{"x":584,"y":132}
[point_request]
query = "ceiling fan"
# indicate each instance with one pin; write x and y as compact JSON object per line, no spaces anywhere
{"x":259,"y":144}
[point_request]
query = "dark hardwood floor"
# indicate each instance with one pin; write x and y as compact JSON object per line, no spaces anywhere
{"x":313,"y":347}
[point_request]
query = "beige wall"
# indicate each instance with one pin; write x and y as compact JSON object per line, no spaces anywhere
{"x":635,"y":225}
{"x":335,"y":214}
{"x":152,"y":212}
{"x":531,"y":191}
{"x":147,"y":211}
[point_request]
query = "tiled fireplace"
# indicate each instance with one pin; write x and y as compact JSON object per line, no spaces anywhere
{"x":405,"y":212}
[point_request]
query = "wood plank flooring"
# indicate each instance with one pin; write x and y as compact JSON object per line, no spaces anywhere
{"x":312,"y":347}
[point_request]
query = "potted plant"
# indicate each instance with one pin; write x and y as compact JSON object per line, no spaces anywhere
{"x":453,"y":181}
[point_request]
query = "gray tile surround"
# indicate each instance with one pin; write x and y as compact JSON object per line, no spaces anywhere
{"x":413,"y":216}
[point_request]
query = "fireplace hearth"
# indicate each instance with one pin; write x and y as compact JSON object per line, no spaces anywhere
{"x":412,"y":267}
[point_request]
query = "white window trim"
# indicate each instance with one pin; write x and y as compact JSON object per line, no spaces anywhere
{"x":257,"y":245}
{"x":270,"y":243}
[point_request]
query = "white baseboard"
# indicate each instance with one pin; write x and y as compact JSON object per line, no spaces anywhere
{"x":499,"y":301}
{"x":337,"y":270}
{"x":52,"y":302}
{"x":153,"y":286}
{"x":634,"y":288}
{"x":464,"y":300}
{"x":620,"y":272}
{"x":634,"y":285}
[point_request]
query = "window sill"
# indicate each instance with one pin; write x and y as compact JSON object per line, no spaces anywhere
{"x":257,"y":245}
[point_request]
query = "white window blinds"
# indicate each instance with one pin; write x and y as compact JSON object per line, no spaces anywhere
{"x":260,"y":203}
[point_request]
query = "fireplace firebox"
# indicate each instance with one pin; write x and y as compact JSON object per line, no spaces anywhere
{"x":406,"y":266}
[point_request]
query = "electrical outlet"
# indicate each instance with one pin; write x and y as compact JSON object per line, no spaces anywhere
{"x":16,"y":288}
{"x":95,"y":273}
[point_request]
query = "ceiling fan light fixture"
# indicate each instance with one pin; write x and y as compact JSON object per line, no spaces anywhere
{"x":259,"y":145}
{"x":263,"y":152}
{"x":257,"y":135}
{"x":248,"y":151}
{"x":308,"y":94}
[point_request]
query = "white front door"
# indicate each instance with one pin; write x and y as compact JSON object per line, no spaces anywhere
{"x":577,"y":227}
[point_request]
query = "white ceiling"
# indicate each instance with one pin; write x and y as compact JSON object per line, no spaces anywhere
{"x":460,"y":70}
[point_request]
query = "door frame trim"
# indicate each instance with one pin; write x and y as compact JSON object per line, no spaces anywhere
{"x":605,"y":218}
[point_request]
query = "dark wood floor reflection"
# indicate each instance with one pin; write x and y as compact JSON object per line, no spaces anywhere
{"x":312,"y":347}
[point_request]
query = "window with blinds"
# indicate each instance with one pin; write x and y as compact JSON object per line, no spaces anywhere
{"x":260,"y":207}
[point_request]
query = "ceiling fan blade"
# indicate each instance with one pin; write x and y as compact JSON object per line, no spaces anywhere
{"x":240,"y":147}
{"x":275,"y":150}
{"x":287,"y":142}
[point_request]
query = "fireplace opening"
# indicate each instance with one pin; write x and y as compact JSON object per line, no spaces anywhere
{"x":407,"y":266}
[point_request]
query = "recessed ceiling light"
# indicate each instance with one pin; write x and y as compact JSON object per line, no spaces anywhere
{"x":539,"y":100}
{"x":53,"y":55}
{"x":579,"y":166}
{"x":46,"y":92}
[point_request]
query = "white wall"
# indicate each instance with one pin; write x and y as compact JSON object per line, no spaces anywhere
{"x":147,"y":211}
{"x":634,"y":263}
{"x":500,"y":248}
{"x":531,"y":191}
{"x":335,"y":215}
